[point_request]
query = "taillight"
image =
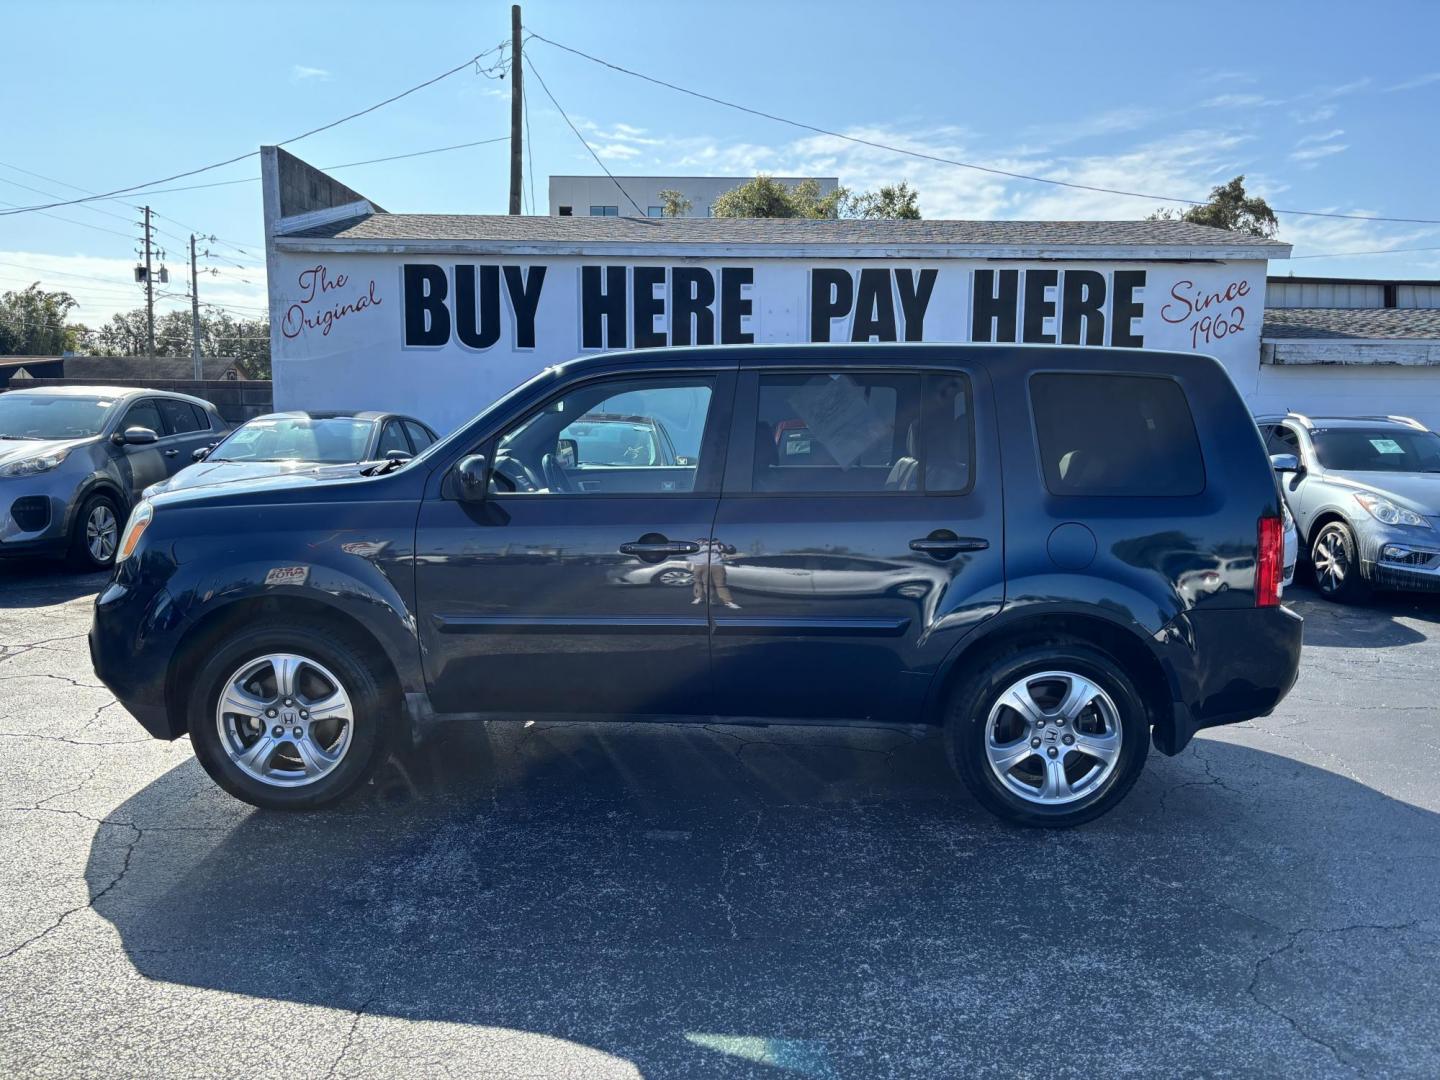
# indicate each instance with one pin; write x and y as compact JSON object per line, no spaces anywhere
{"x":1269,"y":562}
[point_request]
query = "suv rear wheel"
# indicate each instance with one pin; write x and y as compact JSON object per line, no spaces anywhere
{"x":289,"y":718}
{"x":1335,"y":559}
{"x":1052,"y":736}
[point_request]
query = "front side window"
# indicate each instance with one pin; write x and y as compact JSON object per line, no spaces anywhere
{"x":1377,"y":449}
{"x":327,"y":440}
{"x":419,"y":436}
{"x":392,"y":438}
{"x":616,"y":437}
{"x":45,"y":416}
{"x":1124,"y":435}
{"x":143,"y":414}
{"x":1279,"y":439}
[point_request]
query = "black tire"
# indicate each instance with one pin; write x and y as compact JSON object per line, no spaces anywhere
{"x":78,"y":554}
{"x":373,"y":698}
{"x":966,"y":733}
{"x":1335,"y":565}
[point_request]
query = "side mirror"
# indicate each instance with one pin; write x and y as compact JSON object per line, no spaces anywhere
{"x":136,"y":436}
{"x":472,"y":474}
{"x":567,"y":453}
{"x":398,"y":455}
{"x":202,"y":453}
{"x":1284,"y":462}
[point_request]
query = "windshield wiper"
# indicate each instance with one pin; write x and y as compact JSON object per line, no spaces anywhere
{"x":20,"y":438}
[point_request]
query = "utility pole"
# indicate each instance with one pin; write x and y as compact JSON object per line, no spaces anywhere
{"x":195,"y":314}
{"x":149,"y":294}
{"x":517,"y":109}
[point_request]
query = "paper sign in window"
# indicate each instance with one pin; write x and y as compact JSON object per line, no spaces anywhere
{"x":838,"y":413}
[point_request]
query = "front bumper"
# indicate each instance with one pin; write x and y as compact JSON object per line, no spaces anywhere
{"x":1410,"y":566}
{"x":1226,"y":666}
{"x":132,"y":639}
{"x":31,"y":522}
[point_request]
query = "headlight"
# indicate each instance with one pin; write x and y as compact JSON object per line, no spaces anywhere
{"x":140,"y":518}
{"x":30,"y":466}
{"x":1382,"y":509}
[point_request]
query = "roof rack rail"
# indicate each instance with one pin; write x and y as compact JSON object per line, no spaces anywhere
{"x":1408,"y":421}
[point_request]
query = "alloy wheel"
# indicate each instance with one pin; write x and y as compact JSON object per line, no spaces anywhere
{"x":1053,"y":737}
{"x":1331,"y":559}
{"x":102,"y":533}
{"x":285,"y":720}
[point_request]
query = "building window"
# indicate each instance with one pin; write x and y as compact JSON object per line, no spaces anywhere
{"x":567,"y":211}
{"x":654,"y":211}
{"x":604,"y":211}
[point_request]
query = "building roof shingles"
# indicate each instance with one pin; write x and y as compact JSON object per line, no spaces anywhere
{"x":502,"y":228}
{"x":1400,"y":324}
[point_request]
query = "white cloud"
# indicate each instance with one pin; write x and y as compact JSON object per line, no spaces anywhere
{"x":1314,"y":116}
{"x":1311,"y":156}
{"x":1237,"y":101}
{"x":1319,"y":138}
{"x":1415,"y":83}
{"x":301,"y":72}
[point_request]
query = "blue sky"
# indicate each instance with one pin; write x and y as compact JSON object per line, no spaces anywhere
{"x":1323,"y":106}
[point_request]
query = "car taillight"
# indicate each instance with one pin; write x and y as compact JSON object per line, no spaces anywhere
{"x":1269,"y":562}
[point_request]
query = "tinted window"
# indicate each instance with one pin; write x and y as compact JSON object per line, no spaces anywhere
{"x":202,"y":418}
{"x":949,"y":436}
{"x":840,"y":432}
{"x":619,"y":437}
{"x":143,"y":414}
{"x":418,"y":435}
{"x":1279,"y":439}
{"x":179,"y":417}
{"x":1115,"y":435}
{"x":393,"y":438}
{"x":1377,"y":449}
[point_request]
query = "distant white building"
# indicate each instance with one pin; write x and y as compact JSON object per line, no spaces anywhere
{"x":598,"y":196}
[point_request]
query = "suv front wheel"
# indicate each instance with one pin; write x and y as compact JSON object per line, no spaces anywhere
{"x":289,"y":718}
{"x":1052,"y":736}
{"x":1335,"y":560}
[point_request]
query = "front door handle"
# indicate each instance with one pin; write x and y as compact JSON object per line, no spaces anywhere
{"x":655,"y":549}
{"x":942,"y":547}
{"x":170,"y":453}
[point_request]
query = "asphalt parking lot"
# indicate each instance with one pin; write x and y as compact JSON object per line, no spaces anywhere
{"x":572,"y":900}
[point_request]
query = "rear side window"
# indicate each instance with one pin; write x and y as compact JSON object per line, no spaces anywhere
{"x":1130,"y":435}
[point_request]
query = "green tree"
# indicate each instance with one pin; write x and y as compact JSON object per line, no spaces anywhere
{"x":33,"y":323}
{"x":766,"y":197}
{"x":246,"y":340}
{"x":675,"y":204}
{"x":1228,"y":208}
{"x":889,"y":201}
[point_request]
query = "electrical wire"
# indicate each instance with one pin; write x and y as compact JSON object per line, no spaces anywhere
{"x":531,"y":64}
{"x":136,"y":188}
{"x":873,"y":144}
{"x":1347,"y":254}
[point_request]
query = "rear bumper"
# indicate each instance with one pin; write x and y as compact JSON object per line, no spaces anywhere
{"x":1226,"y":666}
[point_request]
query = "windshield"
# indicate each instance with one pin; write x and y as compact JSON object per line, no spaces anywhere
{"x":40,"y":416}
{"x":613,"y":442}
{"x":328,"y":441}
{"x":1377,"y":450}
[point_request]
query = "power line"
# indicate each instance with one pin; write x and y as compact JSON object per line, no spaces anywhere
{"x":1347,"y":254}
{"x":531,"y":65}
{"x":135,"y":188}
{"x":873,"y":144}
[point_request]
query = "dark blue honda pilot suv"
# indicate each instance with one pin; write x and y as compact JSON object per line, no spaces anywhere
{"x":1056,"y":555}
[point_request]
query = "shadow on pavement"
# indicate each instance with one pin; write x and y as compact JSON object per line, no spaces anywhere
{"x":735,"y":902}
{"x":1374,"y":624}
{"x":26,"y":583}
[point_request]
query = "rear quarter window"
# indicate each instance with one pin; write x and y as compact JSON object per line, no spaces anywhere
{"x":1117,"y":435}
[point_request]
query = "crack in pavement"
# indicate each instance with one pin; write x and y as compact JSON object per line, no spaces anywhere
{"x":349,"y":1036}
{"x":1293,"y":939}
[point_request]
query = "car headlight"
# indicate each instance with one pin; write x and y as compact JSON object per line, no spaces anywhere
{"x":30,"y":466}
{"x":140,"y":519}
{"x":1382,"y":509}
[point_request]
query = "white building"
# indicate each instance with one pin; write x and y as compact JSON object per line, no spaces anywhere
{"x":440,"y":314}
{"x":599,"y":196}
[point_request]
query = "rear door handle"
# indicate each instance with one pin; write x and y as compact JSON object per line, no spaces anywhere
{"x":668,"y":547}
{"x":950,"y":545}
